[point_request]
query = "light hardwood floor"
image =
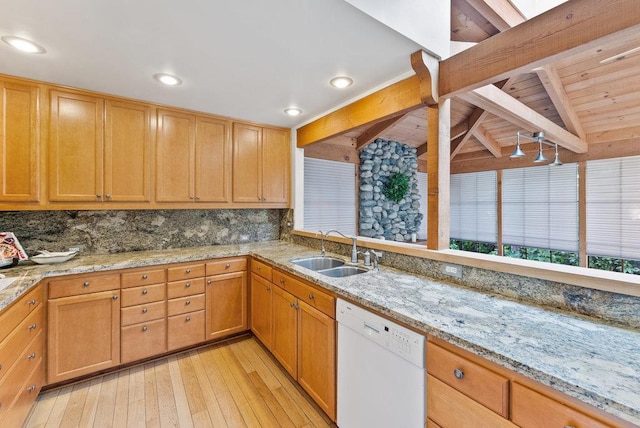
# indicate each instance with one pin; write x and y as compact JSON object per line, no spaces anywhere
{"x":231,"y":385}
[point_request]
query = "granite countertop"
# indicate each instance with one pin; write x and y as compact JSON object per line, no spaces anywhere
{"x":593,"y":362}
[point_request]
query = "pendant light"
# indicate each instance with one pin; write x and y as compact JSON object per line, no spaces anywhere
{"x":539,"y":138}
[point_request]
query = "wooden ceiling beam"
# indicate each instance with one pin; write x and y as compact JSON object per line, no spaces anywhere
{"x":400,"y":97}
{"x":488,"y":141}
{"x":375,"y":130}
{"x":459,"y":130}
{"x":500,"y":13}
{"x":503,"y":105}
{"x":422,"y":150}
{"x":555,"y":89}
{"x":570,"y":28}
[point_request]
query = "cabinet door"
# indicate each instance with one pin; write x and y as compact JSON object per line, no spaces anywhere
{"x":76,"y":147}
{"x":285,"y":328}
{"x":261,"y":324}
{"x":175,"y":157}
{"x":317,"y":357}
{"x":247,"y":163}
{"x":226,"y":307}
{"x":127,"y":161}
{"x":83,"y":334}
{"x":19,"y":142}
{"x":276,"y":147}
{"x":213,"y":160}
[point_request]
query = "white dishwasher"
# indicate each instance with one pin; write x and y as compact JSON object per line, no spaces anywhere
{"x":381,"y":376}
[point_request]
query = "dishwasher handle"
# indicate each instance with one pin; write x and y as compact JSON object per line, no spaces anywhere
{"x":368,"y":327}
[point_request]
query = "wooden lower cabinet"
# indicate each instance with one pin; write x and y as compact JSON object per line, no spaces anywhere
{"x":261,"y":320}
{"x":226,"y":304}
{"x":285,"y":330}
{"x":144,"y":340}
{"x":185,"y":330}
{"x":83,"y":334}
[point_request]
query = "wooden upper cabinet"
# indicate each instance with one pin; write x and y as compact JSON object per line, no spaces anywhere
{"x":212,"y":160}
{"x":261,"y":158}
{"x":76,"y":147}
{"x":175,"y":157}
{"x":19,"y":142}
{"x":127,"y":158}
{"x":247,"y":163}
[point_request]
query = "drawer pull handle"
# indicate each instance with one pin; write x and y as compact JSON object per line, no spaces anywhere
{"x":33,"y":326}
{"x":209,"y":282}
{"x":115,"y":297}
{"x":31,"y":356}
{"x":188,"y":302}
{"x":188,"y":284}
{"x":31,"y":388}
{"x":145,"y":310}
{"x":187,"y":319}
{"x":258,"y":268}
{"x":311,"y":297}
{"x":282,"y":281}
{"x":144,"y":328}
{"x":86,"y":284}
{"x":145,"y":276}
{"x":458,"y":373}
{"x":144,"y":291}
{"x":227,"y":266}
{"x":188,"y":271}
{"x":268,"y":288}
{"x":32,"y":302}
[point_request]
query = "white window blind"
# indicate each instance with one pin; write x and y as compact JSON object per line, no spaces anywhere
{"x":422,"y":189}
{"x":329,"y":196}
{"x":540,"y":207}
{"x":474,"y":206}
{"x":613,"y":207}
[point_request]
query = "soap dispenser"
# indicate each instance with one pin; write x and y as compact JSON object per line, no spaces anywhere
{"x":367,"y":258}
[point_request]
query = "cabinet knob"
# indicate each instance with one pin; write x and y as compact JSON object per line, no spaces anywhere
{"x":311,"y":297}
{"x":31,"y":388}
{"x":33,"y":326}
{"x":145,"y":310}
{"x":191,"y":197}
{"x":145,"y":276}
{"x":188,"y":271}
{"x":209,"y":282}
{"x":187,"y":319}
{"x":188,"y":284}
{"x":32,"y":302}
{"x":258,"y":268}
{"x":197,"y":198}
{"x":99,"y":195}
{"x":86,"y":284}
{"x":227,"y":266}
{"x":144,"y":291}
{"x":188,"y":302}
{"x":268,"y":288}
{"x":144,"y":328}
{"x":264,"y":199}
{"x":115,"y":297}
{"x":31,"y":356}
{"x":458,"y":373}
{"x":108,"y":195}
{"x":282,"y":281}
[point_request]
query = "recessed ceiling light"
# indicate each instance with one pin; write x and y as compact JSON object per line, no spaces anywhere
{"x":293,"y":111}
{"x":167,"y":79}
{"x":341,"y":82}
{"x":23,"y":45}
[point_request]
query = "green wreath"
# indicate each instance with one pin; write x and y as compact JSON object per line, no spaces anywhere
{"x":397,"y":187}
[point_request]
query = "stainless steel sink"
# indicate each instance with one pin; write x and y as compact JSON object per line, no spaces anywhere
{"x":318,"y":262}
{"x":342,"y":271}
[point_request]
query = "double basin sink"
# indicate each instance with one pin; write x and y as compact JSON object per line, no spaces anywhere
{"x":328,"y":266}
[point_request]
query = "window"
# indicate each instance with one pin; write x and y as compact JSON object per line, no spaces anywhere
{"x":474,"y":206}
{"x":329,"y":196}
{"x":613,"y":208}
{"x":540,"y":207}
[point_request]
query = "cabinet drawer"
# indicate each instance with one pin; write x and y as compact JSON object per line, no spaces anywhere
{"x":19,"y":339}
{"x":28,"y":360}
{"x":217,"y":267}
{"x":185,"y":272}
{"x":143,"y":277}
{"x":14,"y":315}
{"x":83,"y":285}
{"x":530,"y":408}
{"x":449,"y":408}
{"x":186,"y":329}
{"x":481,"y":384}
{"x":310,"y":295}
{"x":261,"y":269}
{"x":141,"y":295}
{"x":27,"y":395}
{"x":144,"y":340}
{"x":143,"y":313}
{"x":185,"y":288}
{"x":186,"y":304}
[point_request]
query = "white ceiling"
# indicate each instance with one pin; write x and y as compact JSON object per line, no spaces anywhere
{"x":247,"y":59}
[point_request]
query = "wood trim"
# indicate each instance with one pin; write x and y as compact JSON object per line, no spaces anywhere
{"x":499,"y":245}
{"x":500,"y":13}
{"x":568,"y":29}
{"x":426,"y":68}
{"x":438,"y":148}
{"x":400,"y":97}
{"x":488,"y":142}
{"x":375,"y":130}
{"x":582,"y":214}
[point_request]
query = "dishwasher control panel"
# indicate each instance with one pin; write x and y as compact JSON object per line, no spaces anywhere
{"x":394,"y":337}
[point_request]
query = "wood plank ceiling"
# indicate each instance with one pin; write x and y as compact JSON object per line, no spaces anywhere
{"x":595,"y":96}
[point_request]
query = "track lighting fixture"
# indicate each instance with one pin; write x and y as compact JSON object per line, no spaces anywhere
{"x":539,"y":138}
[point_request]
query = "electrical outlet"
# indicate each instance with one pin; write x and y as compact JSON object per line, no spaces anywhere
{"x":452,"y":270}
{"x":244,"y":238}
{"x":79,"y":248}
